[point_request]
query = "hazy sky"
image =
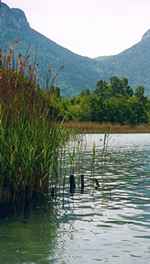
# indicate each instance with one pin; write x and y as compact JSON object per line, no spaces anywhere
{"x":89,"y":27}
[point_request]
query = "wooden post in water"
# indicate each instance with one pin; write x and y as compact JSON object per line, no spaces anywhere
{"x":52,"y":192}
{"x":72,"y":183}
{"x":96,"y":183}
{"x":82,"y":183}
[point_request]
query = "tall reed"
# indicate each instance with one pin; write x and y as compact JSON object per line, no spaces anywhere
{"x":29,"y":139}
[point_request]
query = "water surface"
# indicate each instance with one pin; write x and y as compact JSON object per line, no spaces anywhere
{"x":109,"y":223}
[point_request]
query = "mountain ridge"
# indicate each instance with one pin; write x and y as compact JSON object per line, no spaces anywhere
{"x":79,"y":72}
{"x":134,"y":63}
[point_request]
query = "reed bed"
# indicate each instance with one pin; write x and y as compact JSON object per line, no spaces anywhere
{"x":92,"y":127}
{"x":28,"y":151}
{"x":30,"y":140}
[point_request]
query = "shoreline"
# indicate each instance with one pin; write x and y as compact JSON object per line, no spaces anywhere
{"x":93,"y":127}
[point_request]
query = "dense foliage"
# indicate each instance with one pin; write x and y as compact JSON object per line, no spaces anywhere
{"x":114,"y":101}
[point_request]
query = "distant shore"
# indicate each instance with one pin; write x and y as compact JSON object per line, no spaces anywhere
{"x":93,"y":127}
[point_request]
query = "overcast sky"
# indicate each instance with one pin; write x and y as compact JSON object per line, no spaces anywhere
{"x":89,"y":27}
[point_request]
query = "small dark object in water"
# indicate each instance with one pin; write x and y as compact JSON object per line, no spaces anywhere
{"x":72,"y":183}
{"x":82,"y":183}
{"x":96,"y":183}
{"x":53,"y":192}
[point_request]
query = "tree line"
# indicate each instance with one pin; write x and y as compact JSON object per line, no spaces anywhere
{"x":112,"y":101}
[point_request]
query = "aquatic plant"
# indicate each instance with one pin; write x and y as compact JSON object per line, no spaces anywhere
{"x":30,"y":139}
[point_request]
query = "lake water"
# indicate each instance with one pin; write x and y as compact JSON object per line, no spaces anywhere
{"x":108,"y":222}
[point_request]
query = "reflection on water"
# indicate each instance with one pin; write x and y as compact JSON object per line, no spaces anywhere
{"x":107,"y":223}
{"x":29,"y":240}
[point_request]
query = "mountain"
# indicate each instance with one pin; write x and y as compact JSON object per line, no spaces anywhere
{"x":133,"y":63}
{"x":79,"y":72}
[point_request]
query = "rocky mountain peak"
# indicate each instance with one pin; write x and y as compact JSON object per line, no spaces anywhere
{"x":12,"y":17}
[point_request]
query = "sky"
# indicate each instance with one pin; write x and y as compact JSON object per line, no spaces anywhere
{"x":89,"y":27}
